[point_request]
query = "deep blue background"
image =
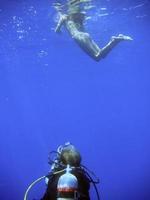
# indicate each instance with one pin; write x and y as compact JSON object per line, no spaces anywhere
{"x":52,"y":92}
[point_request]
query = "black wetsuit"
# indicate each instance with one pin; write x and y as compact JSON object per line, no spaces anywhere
{"x":83,"y":185}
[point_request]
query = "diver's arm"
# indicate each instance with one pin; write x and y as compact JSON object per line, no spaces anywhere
{"x":61,"y":21}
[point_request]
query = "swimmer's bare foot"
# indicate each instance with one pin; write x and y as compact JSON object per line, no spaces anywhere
{"x":121,"y":37}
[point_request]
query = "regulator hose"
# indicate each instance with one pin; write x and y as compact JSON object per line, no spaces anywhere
{"x":31,"y":185}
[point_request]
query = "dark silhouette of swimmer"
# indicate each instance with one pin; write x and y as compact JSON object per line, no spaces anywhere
{"x":73,"y":19}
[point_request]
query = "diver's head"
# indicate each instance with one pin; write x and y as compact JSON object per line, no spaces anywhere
{"x":70,"y":155}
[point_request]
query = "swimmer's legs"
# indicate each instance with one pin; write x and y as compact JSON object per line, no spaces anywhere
{"x":92,"y":49}
{"x":113,"y":42}
{"x":87,"y":44}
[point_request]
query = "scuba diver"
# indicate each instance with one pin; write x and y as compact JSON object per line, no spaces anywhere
{"x":68,"y":179}
{"x":72,"y":15}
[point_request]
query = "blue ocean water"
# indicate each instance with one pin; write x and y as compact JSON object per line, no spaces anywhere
{"x":52,"y":92}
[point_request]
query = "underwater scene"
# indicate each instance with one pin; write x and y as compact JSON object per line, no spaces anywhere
{"x":75,"y":71}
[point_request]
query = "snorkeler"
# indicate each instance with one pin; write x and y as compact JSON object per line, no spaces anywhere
{"x":72,"y":16}
{"x":68,"y":179}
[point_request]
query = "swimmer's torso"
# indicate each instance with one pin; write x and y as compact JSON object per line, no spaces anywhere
{"x":75,"y":14}
{"x":74,"y":23}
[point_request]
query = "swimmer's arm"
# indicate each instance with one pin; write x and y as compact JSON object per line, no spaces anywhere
{"x":61,"y":21}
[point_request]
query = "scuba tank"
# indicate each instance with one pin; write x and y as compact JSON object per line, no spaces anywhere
{"x":67,"y":186}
